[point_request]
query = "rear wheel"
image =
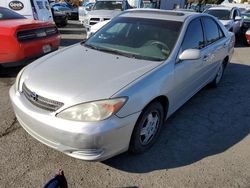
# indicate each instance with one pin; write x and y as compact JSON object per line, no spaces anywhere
{"x":147,"y":128}
{"x":218,"y":76}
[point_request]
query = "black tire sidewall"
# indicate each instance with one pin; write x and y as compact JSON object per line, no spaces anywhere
{"x":135,"y":144}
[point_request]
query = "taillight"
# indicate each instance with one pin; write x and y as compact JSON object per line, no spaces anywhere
{"x":36,"y":33}
{"x":51,"y":30}
{"x":26,"y":35}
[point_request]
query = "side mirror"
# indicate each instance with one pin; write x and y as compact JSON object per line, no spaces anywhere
{"x":190,"y":54}
{"x":237,"y":18}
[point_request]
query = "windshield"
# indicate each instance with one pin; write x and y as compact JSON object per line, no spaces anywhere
{"x":108,"y":5}
{"x":138,"y":38}
{"x":6,"y":14}
{"x":220,"y":14}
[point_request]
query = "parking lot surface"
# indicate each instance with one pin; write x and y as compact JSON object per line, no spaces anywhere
{"x":204,"y":144}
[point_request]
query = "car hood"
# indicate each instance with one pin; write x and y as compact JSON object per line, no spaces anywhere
{"x":79,"y":74}
{"x":103,"y":13}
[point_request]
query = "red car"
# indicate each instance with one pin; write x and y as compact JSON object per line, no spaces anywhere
{"x":248,"y":36}
{"x":22,"y":40}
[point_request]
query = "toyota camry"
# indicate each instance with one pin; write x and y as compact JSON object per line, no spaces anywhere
{"x":114,"y":91}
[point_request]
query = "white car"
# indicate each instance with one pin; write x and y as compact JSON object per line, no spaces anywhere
{"x":96,"y":27}
{"x":229,"y":16}
{"x":113,"y":92}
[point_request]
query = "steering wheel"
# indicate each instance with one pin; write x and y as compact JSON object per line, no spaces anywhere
{"x":162,"y":46}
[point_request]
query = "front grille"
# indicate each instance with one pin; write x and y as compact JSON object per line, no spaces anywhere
{"x":93,"y":21}
{"x":39,"y":101}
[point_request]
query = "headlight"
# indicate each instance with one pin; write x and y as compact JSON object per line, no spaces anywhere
{"x":93,"y":111}
{"x":18,"y":78}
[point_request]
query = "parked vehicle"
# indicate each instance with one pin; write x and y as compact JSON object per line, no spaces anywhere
{"x":101,"y":11}
{"x":96,"y":27}
{"x":60,"y":18}
{"x":246,"y":20}
{"x":67,"y":8}
{"x":248,"y":36}
{"x":229,"y":16}
{"x":84,"y":9}
{"x":238,"y":5}
{"x":61,"y":9}
{"x":24,"y":39}
{"x":148,"y":66}
{"x":32,"y":9}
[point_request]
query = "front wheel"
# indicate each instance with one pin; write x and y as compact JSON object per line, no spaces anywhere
{"x":147,"y":128}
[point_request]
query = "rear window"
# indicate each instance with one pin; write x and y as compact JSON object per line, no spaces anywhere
{"x":108,"y":5}
{"x":6,"y":14}
{"x":220,"y":14}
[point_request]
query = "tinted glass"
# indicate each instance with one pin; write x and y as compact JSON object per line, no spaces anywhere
{"x":6,"y":14}
{"x":194,"y":36}
{"x":137,"y":38}
{"x":108,"y":5}
{"x":220,"y":14}
{"x":212,"y":30}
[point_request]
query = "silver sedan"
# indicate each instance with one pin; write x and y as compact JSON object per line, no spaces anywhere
{"x":113,"y":92}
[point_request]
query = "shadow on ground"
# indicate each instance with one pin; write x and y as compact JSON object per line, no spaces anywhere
{"x":9,"y":72}
{"x":211,"y":122}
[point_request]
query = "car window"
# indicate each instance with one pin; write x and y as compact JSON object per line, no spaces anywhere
{"x":212,"y":30}
{"x":108,"y":5}
{"x":220,"y":14}
{"x":40,"y":4}
{"x":149,"y":39}
{"x":194,"y":38}
{"x":6,"y":14}
{"x":221,"y":33}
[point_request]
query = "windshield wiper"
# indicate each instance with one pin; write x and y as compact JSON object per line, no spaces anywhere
{"x":129,"y":55}
{"x":117,"y":52}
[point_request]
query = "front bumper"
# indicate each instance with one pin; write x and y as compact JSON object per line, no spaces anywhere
{"x":92,"y":141}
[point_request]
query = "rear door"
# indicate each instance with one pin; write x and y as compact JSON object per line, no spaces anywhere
{"x":216,"y":44}
{"x":43,"y":10}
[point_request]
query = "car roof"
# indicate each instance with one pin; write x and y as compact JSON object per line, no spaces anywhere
{"x":158,"y":14}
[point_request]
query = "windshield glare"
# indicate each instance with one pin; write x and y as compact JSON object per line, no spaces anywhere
{"x":108,"y":5}
{"x":220,"y":14}
{"x":137,"y":37}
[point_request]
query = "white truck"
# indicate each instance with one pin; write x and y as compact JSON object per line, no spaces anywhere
{"x":32,"y":9}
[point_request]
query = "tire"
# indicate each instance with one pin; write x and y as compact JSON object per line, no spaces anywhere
{"x":147,"y":128}
{"x":64,"y":23}
{"x":218,"y":77}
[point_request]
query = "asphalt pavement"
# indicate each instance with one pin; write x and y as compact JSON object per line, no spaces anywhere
{"x":204,"y":144}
